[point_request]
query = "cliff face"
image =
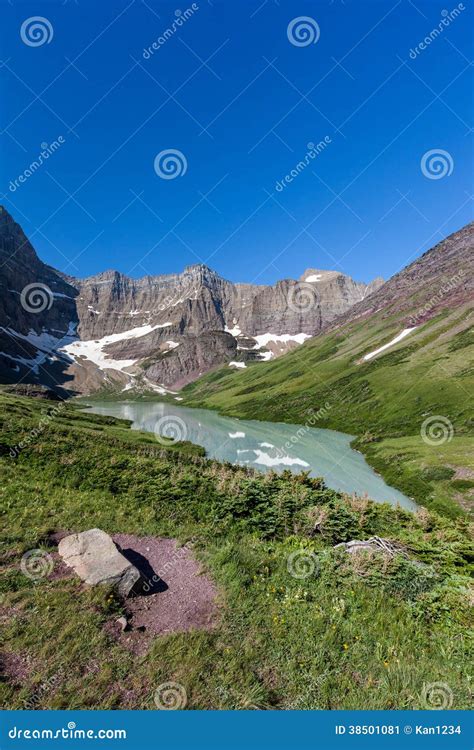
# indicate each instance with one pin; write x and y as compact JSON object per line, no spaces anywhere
{"x":37,"y":312}
{"x":155,"y":331}
{"x":199,"y":299}
{"x":45,"y":292}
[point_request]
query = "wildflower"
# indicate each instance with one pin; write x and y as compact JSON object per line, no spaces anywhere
{"x":345,"y":647}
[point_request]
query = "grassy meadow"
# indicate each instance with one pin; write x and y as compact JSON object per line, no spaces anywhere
{"x":373,"y":633}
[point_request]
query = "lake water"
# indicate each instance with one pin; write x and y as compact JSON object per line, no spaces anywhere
{"x":262,"y":445}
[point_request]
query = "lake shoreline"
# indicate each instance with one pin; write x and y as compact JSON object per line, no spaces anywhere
{"x":263,"y":446}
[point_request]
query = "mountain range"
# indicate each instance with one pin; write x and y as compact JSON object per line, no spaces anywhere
{"x":156,"y":333}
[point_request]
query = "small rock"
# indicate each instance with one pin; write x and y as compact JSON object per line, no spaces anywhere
{"x":123,"y":622}
{"x":94,"y":557}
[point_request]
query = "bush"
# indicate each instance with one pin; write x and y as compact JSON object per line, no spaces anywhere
{"x":437,"y":473}
{"x":462,"y":484}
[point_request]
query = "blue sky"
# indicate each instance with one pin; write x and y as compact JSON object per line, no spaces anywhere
{"x":240,"y":101}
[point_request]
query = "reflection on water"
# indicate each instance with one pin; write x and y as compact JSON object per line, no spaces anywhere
{"x":263,"y":445}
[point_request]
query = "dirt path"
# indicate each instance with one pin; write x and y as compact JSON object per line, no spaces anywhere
{"x":177,"y":597}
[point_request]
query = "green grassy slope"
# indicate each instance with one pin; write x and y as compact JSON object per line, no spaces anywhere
{"x":427,"y":374}
{"x":371,"y":635}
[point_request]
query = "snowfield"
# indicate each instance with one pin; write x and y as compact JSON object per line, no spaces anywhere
{"x":398,"y":338}
{"x":314,"y":278}
{"x":93,"y":350}
{"x":265,"y":338}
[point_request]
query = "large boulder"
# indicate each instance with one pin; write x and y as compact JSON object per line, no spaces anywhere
{"x":95,"y":558}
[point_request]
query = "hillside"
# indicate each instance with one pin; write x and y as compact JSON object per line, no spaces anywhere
{"x":301,"y":624}
{"x":424,"y":380}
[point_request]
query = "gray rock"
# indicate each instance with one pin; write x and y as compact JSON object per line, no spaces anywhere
{"x":192,"y":321}
{"x":94,"y":557}
{"x":194,"y":356}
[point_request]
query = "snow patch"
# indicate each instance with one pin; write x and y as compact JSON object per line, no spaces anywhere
{"x":93,"y":350}
{"x":240,"y":365}
{"x":314,"y":277}
{"x":32,"y":364}
{"x":157,"y":388}
{"x":45,"y":343}
{"x":265,"y":338}
{"x":235,"y":331}
{"x":398,"y":338}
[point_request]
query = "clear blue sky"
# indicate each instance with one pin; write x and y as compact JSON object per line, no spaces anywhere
{"x":381,"y":109}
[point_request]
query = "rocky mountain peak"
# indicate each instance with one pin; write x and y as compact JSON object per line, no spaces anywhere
{"x":199,"y":268}
{"x":113,"y":330}
{"x":5,"y":217}
{"x":14,"y":245}
{"x":315,"y":275}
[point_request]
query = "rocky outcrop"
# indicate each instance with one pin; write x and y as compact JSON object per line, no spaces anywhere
{"x":108,"y":330}
{"x":31,"y":391}
{"x":194,"y":355}
{"x":96,"y":560}
{"x":37,"y":312}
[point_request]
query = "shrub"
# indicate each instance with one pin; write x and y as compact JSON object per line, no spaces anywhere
{"x":462,"y":484}
{"x":437,"y":473}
